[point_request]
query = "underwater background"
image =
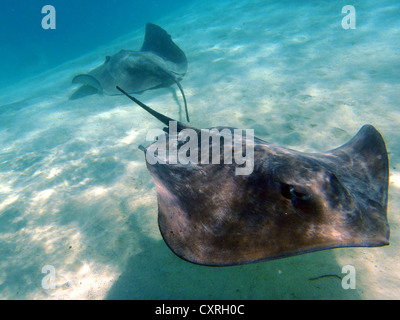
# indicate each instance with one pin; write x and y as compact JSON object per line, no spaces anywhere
{"x":75,"y":193}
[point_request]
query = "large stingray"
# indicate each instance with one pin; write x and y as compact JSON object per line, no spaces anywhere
{"x":159,"y":63}
{"x":292,"y":203}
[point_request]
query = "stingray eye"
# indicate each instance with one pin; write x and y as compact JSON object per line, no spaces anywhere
{"x":290,"y":192}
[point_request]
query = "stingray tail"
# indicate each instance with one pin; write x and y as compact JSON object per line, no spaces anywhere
{"x":184,"y":98}
{"x":159,"y":116}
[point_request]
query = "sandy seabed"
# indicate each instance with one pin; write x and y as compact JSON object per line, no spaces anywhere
{"x":75,"y":193}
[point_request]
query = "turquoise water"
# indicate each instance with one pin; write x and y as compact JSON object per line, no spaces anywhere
{"x":81,"y":26}
{"x":75,"y":193}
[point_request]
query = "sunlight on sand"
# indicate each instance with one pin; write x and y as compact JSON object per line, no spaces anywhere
{"x":75,"y":192}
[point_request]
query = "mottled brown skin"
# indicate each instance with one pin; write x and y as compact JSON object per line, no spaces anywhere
{"x":292,"y":203}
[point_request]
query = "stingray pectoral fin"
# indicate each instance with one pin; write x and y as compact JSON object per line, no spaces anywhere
{"x":368,"y":147}
{"x":366,"y":155}
{"x":88,"y":80}
{"x":157,"y":40}
{"x":83,"y":91}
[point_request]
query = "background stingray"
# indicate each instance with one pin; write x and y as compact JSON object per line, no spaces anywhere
{"x":159,"y":63}
{"x":292,"y":203}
